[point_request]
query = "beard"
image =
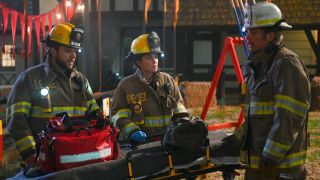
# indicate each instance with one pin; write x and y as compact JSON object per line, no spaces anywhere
{"x":63,"y":64}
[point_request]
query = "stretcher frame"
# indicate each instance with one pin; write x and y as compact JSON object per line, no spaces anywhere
{"x":187,"y":172}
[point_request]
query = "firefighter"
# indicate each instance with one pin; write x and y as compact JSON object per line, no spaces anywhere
{"x":145,"y":102}
{"x":273,"y":138}
{"x":47,"y":89}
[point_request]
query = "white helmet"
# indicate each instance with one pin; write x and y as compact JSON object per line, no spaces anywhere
{"x":264,"y":14}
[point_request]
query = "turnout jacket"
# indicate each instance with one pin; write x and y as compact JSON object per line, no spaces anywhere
{"x":276,"y":107}
{"x":28,"y":111}
{"x":136,"y":105}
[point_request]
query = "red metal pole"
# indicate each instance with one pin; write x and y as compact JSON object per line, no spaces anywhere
{"x":222,"y":126}
{"x":235,"y":59}
{"x":216,"y":77}
{"x":229,"y":44}
{"x":238,"y":71}
{"x":240,"y":119}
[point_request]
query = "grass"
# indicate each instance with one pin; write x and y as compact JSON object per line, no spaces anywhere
{"x":218,"y":115}
{"x":313,"y":158}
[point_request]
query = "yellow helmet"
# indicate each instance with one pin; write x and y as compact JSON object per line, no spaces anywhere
{"x":145,"y":43}
{"x":65,"y":34}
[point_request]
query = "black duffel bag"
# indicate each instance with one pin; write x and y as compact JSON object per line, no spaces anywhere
{"x":185,"y":133}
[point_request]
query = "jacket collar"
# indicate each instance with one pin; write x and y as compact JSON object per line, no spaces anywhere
{"x":49,"y":73}
{"x":138,"y":74}
{"x":261,"y":60}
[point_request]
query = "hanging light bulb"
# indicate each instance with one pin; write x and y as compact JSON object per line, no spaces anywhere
{"x":81,"y":7}
{"x":68,"y":3}
{"x":28,"y":29}
{"x":58,"y":15}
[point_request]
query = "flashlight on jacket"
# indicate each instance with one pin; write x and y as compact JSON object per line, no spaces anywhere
{"x":45,"y":99}
{"x":44,"y":91}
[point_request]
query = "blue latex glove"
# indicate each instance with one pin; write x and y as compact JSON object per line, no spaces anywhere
{"x":139,"y":136}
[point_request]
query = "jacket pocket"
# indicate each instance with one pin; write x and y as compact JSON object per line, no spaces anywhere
{"x":171,"y":102}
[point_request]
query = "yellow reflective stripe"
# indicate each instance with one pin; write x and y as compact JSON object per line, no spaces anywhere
{"x":157,"y":121}
{"x":18,"y":111}
{"x":129,"y":128}
{"x":141,"y":122}
{"x":22,"y":107}
{"x":294,"y":159}
{"x":261,"y":108}
{"x":179,"y":109}
{"x":254,"y":162}
{"x":93,"y":105}
{"x":38,"y":112}
{"x":267,"y":21}
{"x":275,"y":149}
{"x":291,"y":105}
{"x":64,"y":108}
{"x":25,"y":143}
{"x":122,"y":113}
{"x":291,"y":160}
{"x":23,"y":103}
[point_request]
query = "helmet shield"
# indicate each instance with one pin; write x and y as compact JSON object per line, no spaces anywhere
{"x":76,"y":37}
{"x":154,"y":43}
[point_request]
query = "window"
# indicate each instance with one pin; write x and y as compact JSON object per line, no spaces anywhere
{"x":123,"y":5}
{"x":105,"y":5}
{"x":7,"y":58}
{"x":202,"y":52}
{"x":142,"y":5}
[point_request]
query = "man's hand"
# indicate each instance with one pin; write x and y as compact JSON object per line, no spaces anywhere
{"x":138,"y":136}
{"x":32,"y":161}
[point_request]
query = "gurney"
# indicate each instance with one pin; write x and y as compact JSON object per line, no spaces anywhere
{"x":150,"y":161}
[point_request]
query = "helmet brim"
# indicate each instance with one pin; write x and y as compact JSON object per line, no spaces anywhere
{"x":130,"y":57}
{"x":284,"y":25}
{"x":133,"y":57}
{"x":56,"y":44}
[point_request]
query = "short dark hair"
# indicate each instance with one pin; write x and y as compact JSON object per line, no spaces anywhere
{"x":276,"y":31}
{"x":137,"y":57}
{"x":48,"y":51}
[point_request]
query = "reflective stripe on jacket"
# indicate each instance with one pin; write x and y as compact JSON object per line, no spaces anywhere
{"x":28,"y":111}
{"x":136,"y":105}
{"x":277,"y":103}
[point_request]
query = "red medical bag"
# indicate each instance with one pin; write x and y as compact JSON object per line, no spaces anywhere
{"x":63,"y":149}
